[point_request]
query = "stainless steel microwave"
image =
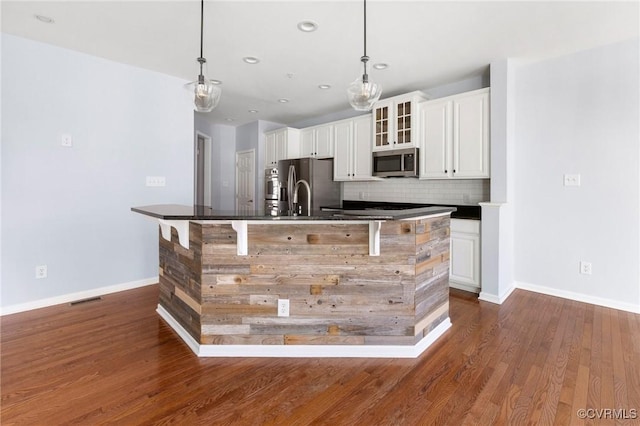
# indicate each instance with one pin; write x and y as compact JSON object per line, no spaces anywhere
{"x":396,"y":163}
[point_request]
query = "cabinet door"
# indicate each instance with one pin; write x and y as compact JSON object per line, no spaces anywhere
{"x":465,"y":254}
{"x":324,"y":141}
{"x":383,"y":125}
{"x":404,"y":135}
{"x":307,"y":142}
{"x":342,"y":161}
{"x":435,"y":127}
{"x":270,"y":150}
{"x":471,"y":136}
{"x":362,"y":160}
{"x":281,"y":145}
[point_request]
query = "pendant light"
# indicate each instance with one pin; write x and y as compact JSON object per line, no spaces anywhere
{"x":206,"y":92}
{"x":363,"y":93}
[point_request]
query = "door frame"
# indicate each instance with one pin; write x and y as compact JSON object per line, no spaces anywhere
{"x":207,"y":172}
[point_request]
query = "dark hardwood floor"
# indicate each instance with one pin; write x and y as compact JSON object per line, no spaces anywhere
{"x":534,"y":360}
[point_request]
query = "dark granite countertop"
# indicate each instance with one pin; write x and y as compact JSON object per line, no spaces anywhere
{"x":184,"y":212}
{"x":462,"y":211}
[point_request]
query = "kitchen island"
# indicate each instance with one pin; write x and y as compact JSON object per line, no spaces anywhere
{"x":334,"y":284}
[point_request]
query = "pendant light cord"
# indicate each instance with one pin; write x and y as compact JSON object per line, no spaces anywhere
{"x":365,"y":58}
{"x":201,"y":25}
{"x":365,"y":27}
{"x":201,"y":59}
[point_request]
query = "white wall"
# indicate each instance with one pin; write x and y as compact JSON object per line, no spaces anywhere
{"x":226,"y":137}
{"x":69,"y":208}
{"x":223,"y":151}
{"x":580,"y":114}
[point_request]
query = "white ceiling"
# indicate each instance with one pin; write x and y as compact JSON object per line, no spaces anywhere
{"x":425,"y":43}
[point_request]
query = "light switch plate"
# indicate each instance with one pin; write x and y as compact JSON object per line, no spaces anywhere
{"x":571,"y":180}
{"x":156,"y":181}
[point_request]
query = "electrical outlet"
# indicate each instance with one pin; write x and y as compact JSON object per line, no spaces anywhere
{"x":571,"y":180}
{"x":585,"y":267}
{"x":156,"y":181}
{"x":41,"y":271}
{"x":66,"y":140}
{"x":283,"y":307}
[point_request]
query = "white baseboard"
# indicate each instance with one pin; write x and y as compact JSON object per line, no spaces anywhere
{"x":67,"y":298}
{"x":578,"y":297}
{"x":492,"y":298}
{"x":464,"y":287}
{"x":306,"y":351}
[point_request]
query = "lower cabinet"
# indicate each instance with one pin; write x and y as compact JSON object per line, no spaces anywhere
{"x":464,"y":268}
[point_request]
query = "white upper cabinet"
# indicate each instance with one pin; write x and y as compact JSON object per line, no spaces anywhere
{"x":352,"y":160}
{"x":281,"y":144}
{"x":362,"y":160}
{"x":454,"y":136}
{"x":471,"y":135}
{"x":317,"y":141}
{"x":342,"y":161}
{"x":435,"y":147}
{"x":394,"y":122}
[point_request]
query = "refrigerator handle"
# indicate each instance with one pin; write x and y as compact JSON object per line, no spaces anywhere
{"x":291,"y":181}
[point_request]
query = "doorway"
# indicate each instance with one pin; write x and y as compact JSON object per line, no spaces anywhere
{"x":245,"y":182}
{"x":202,"y":184}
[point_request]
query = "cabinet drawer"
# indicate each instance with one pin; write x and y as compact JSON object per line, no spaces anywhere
{"x":466,"y":226}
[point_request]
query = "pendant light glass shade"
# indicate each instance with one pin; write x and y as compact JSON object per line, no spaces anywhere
{"x":363,"y":93}
{"x":206,"y":94}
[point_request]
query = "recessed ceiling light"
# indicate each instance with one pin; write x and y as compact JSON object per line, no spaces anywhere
{"x":253,"y":111}
{"x":324,"y":86}
{"x":283,"y":100}
{"x":228,"y":119}
{"x":307,"y":26}
{"x":381,"y":66}
{"x":44,"y":19}
{"x":216,"y":82}
{"x":251,"y":60}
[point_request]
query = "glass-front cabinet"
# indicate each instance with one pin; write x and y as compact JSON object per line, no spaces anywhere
{"x":381,"y":124}
{"x":395,"y":123}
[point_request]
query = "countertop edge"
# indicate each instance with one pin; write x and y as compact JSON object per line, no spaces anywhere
{"x":155,"y":211}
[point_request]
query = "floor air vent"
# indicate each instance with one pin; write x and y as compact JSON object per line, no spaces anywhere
{"x":91,"y":299}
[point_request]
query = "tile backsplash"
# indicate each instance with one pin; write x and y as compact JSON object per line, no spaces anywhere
{"x":458,"y":192}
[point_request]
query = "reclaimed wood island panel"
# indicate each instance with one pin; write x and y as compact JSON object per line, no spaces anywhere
{"x":342,"y":300}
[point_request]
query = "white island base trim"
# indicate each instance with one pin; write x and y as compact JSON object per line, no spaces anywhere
{"x":306,"y":351}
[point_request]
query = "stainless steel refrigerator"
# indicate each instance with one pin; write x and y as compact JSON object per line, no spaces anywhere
{"x":294,"y":177}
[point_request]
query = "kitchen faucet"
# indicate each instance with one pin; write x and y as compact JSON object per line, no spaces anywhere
{"x":295,"y":197}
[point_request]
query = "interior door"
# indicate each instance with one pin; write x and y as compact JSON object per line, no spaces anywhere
{"x":245,"y":182}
